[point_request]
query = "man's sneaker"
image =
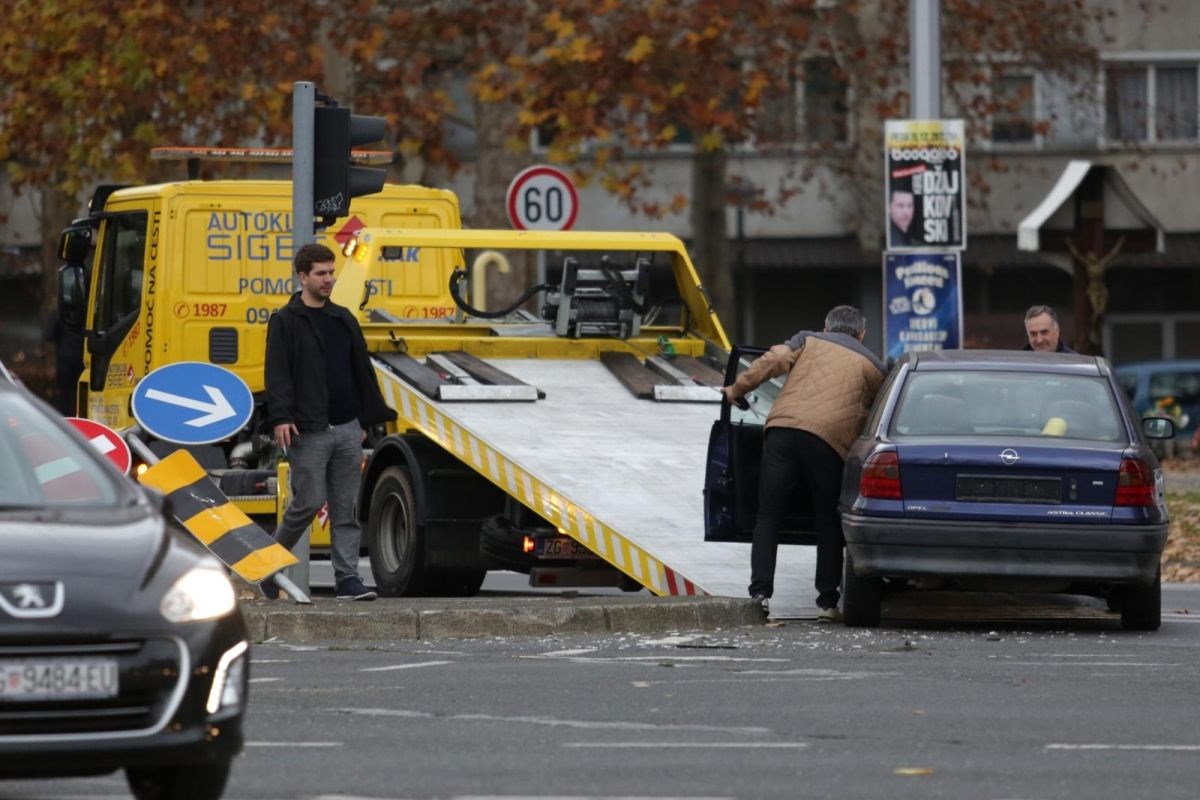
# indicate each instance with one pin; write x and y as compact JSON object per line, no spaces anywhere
{"x":829,"y":615}
{"x":353,"y":589}
{"x":269,"y":589}
{"x":763,"y":601}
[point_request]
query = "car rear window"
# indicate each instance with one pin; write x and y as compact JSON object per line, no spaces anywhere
{"x":44,"y":466}
{"x":986,"y":403}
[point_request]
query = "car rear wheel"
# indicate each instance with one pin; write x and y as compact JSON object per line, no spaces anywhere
{"x":1141,"y":606}
{"x":862,"y":598}
{"x":179,"y":781}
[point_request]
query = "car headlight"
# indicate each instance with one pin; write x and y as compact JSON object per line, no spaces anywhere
{"x":200,"y":593}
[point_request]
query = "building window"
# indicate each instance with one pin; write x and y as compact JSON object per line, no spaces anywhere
{"x":778,"y":115}
{"x":1175,"y":115}
{"x":826,"y":102}
{"x":1151,"y":103}
{"x":1012,"y":119}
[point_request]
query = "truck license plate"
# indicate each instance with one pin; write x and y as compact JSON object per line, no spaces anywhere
{"x":561,"y":547}
{"x":58,"y":679}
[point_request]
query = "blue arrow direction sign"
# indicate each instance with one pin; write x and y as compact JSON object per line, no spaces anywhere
{"x":192,"y":403}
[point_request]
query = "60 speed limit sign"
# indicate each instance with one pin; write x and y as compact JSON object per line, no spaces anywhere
{"x":542,"y":198}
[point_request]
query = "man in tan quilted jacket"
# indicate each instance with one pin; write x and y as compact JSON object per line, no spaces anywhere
{"x":831,"y":382}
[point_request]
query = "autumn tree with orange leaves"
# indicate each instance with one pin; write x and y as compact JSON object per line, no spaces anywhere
{"x":614,"y":81}
{"x":86,"y":92}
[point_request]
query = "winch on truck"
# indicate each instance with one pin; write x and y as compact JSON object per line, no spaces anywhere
{"x":567,"y":442}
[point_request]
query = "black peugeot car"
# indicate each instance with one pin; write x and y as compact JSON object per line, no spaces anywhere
{"x":121,"y":642}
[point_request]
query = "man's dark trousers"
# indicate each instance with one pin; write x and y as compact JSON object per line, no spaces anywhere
{"x":798,"y":461}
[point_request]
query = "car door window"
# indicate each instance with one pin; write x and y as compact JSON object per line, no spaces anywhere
{"x":760,"y":400}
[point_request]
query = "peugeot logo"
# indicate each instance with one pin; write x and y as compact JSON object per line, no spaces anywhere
{"x":28,"y":596}
{"x":27,"y":600}
{"x":1009,"y":456}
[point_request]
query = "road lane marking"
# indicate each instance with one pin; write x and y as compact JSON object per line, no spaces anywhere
{"x":1181,"y":748}
{"x":578,"y":651}
{"x":555,"y":797}
{"x":1090,"y":664}
{"x":549,"y":721}
{"x":294,"y":744}
{"x":265,"y":680}
{"x":696,"y":745}
{"x":406,"y":666}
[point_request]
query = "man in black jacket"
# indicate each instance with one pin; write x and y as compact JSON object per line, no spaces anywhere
{"x":321,"y":394}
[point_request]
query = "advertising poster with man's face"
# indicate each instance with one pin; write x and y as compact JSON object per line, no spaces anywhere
{"x":922,"y":302}
{"x":925,"y":190}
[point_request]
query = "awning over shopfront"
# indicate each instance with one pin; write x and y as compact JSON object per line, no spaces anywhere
{"x":1084,"y":191}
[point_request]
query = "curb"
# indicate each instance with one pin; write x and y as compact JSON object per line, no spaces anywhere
{"x":399,"y":618}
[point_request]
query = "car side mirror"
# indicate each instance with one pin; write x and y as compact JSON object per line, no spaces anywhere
{"x":74,"y":244}
{"x":1158,"y":427}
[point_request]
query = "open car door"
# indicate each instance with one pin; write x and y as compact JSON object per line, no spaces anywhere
{"x":735,"y":461}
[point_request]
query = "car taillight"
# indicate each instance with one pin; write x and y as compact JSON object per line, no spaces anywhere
{"x":881,"y":477}
{"x":1135,"y":484}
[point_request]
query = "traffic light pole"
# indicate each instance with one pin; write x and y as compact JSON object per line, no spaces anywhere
{"x":304,"y":100}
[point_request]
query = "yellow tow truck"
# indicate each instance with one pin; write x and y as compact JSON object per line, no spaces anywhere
{"x":563,"y":436}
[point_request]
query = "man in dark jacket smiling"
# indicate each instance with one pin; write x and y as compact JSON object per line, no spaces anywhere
{"x":321,"y":394}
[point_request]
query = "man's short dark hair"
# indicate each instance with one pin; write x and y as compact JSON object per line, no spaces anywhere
{"x":845,"y":319}
{"x":311,"y":254}
{"x":1037,"y":311}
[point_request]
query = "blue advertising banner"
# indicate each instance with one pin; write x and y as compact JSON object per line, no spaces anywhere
{"x":922,"y":302}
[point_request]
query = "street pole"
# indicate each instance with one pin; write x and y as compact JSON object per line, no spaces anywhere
{"x":925,"y":58}
{"x":304,"y":101}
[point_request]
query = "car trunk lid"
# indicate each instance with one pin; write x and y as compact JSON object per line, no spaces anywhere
{"x":1069,"y":483}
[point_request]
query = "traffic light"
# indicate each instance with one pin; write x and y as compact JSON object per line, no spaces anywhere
{"x":336,"y":180}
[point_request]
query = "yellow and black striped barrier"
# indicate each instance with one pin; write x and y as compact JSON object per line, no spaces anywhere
{"x":212,"y":518}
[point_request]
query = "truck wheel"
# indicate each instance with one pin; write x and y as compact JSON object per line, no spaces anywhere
{"x":1141,"y":606}
{"x":394,"y":542}
{"x":179,"y":782}
{"x":861,"y":598}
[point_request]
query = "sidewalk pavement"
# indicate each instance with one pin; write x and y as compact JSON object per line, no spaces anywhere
{"x":388,"y":619}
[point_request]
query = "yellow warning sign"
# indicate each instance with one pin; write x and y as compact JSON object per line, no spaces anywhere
{"x":209,"y":515}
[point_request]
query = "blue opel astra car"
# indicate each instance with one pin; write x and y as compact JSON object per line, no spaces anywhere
{"x":1005,"y":471}
{"x":977,"y":470}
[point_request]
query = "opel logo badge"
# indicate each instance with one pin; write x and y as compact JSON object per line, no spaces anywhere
{"x":1009,"y":456}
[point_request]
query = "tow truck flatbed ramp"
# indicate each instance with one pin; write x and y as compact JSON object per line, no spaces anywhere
{"x":621,"y":475}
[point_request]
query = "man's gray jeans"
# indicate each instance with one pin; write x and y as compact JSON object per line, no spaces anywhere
{"x":326,"y":465}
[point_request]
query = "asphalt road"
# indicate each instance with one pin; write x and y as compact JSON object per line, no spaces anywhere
{"x":1068,"y":708}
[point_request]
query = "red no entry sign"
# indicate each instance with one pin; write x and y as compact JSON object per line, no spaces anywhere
{"x":542,"y":198}
{"x":105,"y":440}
